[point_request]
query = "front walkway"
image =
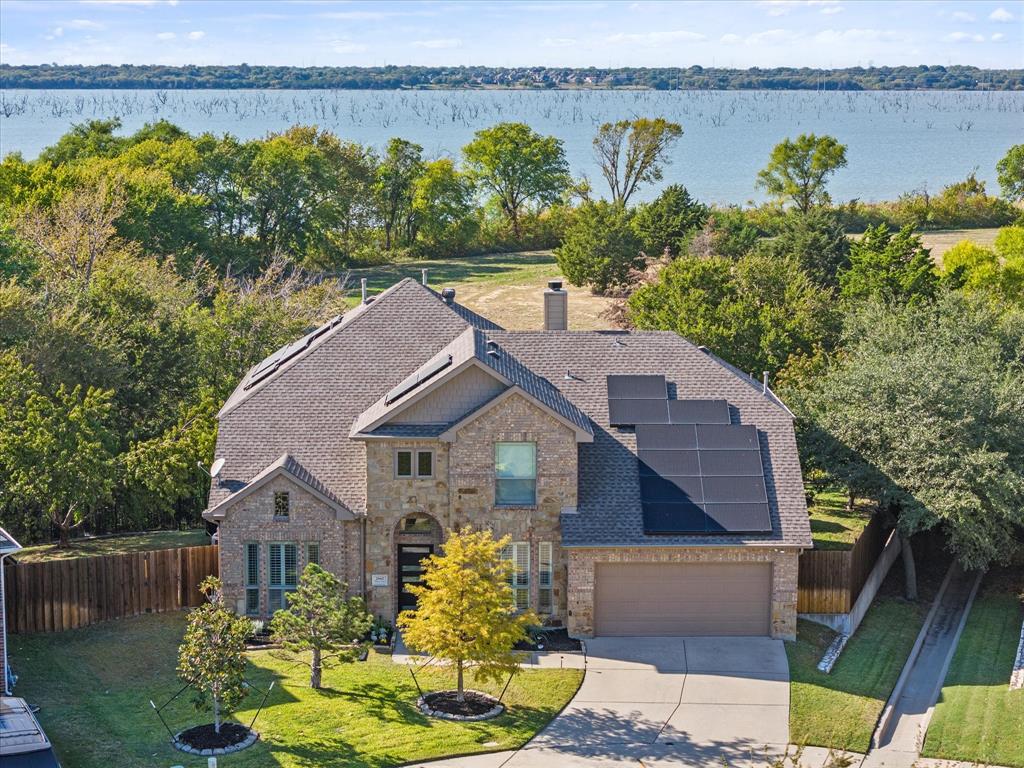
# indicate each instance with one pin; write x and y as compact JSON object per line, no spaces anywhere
{"x":666,"y":702}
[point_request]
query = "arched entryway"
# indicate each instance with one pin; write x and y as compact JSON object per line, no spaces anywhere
{"x":417,"y":536}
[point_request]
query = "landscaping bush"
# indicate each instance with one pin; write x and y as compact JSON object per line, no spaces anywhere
{"x":668,"y":221}
{"x":600,"y":247}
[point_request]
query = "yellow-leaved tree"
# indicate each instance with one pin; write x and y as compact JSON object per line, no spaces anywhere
{"x":464,"y":612}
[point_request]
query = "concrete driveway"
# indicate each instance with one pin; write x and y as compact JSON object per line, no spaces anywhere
{"x":657,"y":701}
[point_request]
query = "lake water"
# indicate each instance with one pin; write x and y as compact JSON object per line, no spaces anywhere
{"x":897,"y":141}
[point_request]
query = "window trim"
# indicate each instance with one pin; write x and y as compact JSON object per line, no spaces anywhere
{"x":286,"y":497}
{"x":497,"y":479}
{"x":414,"y":463}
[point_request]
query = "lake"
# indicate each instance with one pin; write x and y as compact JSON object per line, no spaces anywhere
{"x":897,"y":140}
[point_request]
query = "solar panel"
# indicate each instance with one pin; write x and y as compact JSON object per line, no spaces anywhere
{"x":637,"y":388}
{"x":664,"y":518}
{"x":666,"y":436}
{"x":622,"y":413}
{"x":738,"y":518}
{"x":410,"y":383}
{"x":668,"y":462}
{"x":729,"y":437}
{"x":698,"y":411}
{"x":735,"y":489}
{"x":674,"y":489}
{"x":731,"y":463}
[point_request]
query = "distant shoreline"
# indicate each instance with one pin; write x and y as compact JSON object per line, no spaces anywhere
{"x":245,"y":77}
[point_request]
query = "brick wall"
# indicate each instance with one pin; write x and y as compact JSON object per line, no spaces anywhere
{"x":784,"y":578}
{"x":310,"y":521}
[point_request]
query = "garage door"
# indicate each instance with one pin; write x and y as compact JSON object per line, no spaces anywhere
{"x":636,"y":599}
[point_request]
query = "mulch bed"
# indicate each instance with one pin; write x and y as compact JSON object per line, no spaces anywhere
{"x":446,"y":701}
{"x":204,"y":737}
{"x":554,"y":640}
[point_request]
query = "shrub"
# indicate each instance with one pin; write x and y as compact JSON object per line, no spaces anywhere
{"x":667,"y":221}
{"x":600,"y":247}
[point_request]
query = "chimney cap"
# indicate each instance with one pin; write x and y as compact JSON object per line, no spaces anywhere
{"x":448,"y":295}
{"x":554,"y":285}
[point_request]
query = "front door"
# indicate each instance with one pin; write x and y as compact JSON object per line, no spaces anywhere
{"x":410,"y":571}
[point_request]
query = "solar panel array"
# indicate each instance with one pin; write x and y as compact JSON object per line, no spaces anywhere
{"x":699,"y":473}
{"x":411,"y":382}
{"x":273,"y":363}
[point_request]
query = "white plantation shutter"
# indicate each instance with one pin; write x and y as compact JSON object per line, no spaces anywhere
{"x":283,"y":574}
{"x":519,"y":553}
{"x":545,"y":577}
{"x":252,"y":579}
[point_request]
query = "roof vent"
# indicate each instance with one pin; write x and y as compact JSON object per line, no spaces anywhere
{"x":704,"y":349}
{"x":448,"y":295}
{"x":362,"y":286}
{"x":423,"y":278}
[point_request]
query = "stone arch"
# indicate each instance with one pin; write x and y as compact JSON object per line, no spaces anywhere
{"x":414,"y":530}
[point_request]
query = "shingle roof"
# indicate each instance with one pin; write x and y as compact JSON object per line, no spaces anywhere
{"x":309,"y":406}
{"x":8,"y":542}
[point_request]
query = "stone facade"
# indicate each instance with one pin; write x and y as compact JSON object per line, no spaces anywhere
{"x":251,"y":519}
{"x":784,"y":578}
{"x":461,"y":492}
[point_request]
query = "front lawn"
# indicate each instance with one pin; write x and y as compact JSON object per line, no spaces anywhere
{"x":94,"y":686}
{"x":978,"y":718}
{"x":833,"y":526}
{"x":115,"y":545}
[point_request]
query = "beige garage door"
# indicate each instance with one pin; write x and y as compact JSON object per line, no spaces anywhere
{"x":636,"y":599}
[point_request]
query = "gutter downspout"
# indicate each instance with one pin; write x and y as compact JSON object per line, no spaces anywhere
{"x":3,"y":596}
{"x":362,"y":561}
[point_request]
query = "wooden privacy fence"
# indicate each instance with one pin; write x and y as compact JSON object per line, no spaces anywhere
{"x":57,"y":595}
{"x":831,"y":579}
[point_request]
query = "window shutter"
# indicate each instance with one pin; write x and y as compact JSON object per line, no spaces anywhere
{"x":545,"y":577}
{"x":252,"y":579}
{"x":313,"y":553}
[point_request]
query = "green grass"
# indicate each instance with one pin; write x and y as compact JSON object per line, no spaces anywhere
{"x":978,"y":718}
{"x":833,"y":526}
{"x":115,"y":545}
{"x":94,"y":687}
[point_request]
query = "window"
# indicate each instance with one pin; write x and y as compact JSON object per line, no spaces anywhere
{"x":515,"y":470}
{"x":252,"y":579}
{"x":405,"y":466}
{"x":281,"y":505}
{"x":519,"y":553}
{"x":313,"y":553}
{"x":416,"y":524}
{"x":284,"y":575}
{"x":545,"y":578}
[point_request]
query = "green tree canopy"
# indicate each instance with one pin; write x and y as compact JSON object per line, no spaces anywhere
{"x":320,"y":620}
{"x":817,"y":241}
{"x":600,"y":248}
{"x":668,"y":221}
{"x":518,"y":166}
{"x":397,"y":173}
{"x":1011,"y":173}
{"x":634,"y":152}
{"x":890,"y":266}
{"x":798,"y":170}
{"x":465,"y":613}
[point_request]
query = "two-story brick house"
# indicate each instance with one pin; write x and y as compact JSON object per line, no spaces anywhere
{"x":647,"y":486}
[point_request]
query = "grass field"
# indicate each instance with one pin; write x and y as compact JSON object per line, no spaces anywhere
{"x":94,"y":687}
{"x":978,"y":718}
{"x":505,"y":287}
{"x":941,"y":241}
{"x":115,"y":545}
{"x":832,"y":525}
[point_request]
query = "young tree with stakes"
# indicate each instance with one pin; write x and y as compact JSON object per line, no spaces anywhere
{"x":321,"y":620}
{"x":465,"y":613}
{"x":211,"y":657}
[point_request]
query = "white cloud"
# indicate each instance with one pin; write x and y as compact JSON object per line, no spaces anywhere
{"x":84,"y":24}
{"x":347,"y":46}
{"x":559,"y":42}
{"x":730,"y":39}
{"x":165,"y":35}
{"x":963,"y":37}
{"x":855,"y":35}
{"x":656,"y":38}
{"x":998,"y":37}
{"x":196,"y":35}
{"x":782,"y":7}
{"x":770,"y":37}
{"x":444,"y":42}
{"x":1001,"y":14}
{"x":57,"y":32}
{"x":831,"y":9}
{"x":962,"y":16}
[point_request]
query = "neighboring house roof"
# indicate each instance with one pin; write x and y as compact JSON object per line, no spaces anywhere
{"x":336,"y":388}
{"x":288,"y":466}
{"x":472,"y":347}
{"x":8,"y":543}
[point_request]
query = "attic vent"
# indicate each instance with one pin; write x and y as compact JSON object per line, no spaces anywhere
{"x":448,"y":295}
{"x":704,"y":349}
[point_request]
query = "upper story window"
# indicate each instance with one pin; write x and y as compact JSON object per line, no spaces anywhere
{"x":409,"y":463}
{"x":515,"y":472}
{"x":281,"y":505}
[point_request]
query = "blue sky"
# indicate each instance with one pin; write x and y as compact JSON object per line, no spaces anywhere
{"x":819,"y":33}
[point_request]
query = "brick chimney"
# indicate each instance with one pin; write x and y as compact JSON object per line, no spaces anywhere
{"x":556,"y":307}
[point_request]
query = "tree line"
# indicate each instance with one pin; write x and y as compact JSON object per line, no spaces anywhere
{"x":922,"y":77}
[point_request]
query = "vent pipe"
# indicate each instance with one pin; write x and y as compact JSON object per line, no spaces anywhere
{"x":362,"y":285}
{"x":556,"y":307}
{"x":448,"y":295}
{"x":764,"y":386}
{"x":423,"y":279}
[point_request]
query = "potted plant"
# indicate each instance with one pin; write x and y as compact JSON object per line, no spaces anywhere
{"x":382,"y":635}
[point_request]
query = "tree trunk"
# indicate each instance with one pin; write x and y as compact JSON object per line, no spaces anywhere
{"x":514,"y":215}
{"x":461,"y":696}
{"x":64,"y":536}
{"x":909,"y":568}
{"x":216,"y":714}
{"x":315,"y":669}
{"x":851,"y":499}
